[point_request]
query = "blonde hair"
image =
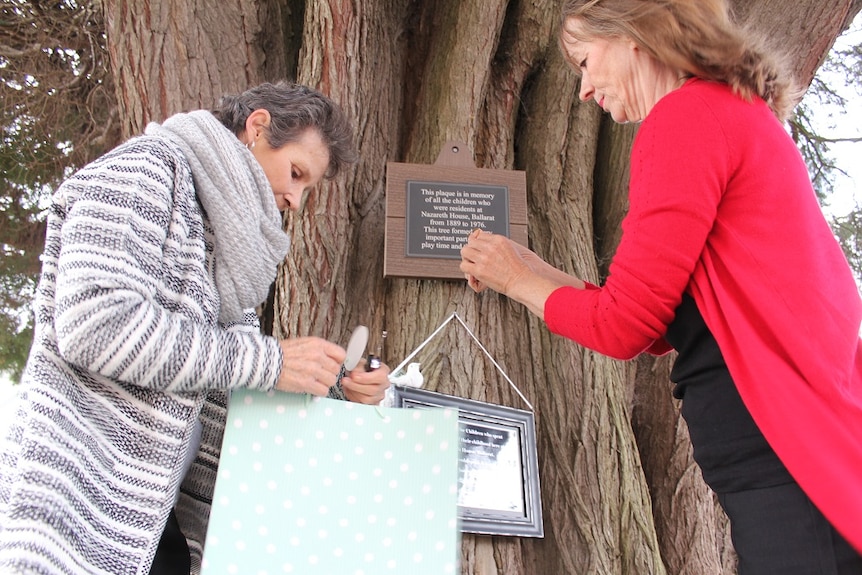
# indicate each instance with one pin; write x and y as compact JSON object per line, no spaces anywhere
{"x":697,"y":37}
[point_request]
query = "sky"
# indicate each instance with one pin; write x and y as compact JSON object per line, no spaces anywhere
{"x":846,"y":123}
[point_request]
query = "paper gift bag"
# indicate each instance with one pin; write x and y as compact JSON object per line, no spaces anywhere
{"x":315,"y":486}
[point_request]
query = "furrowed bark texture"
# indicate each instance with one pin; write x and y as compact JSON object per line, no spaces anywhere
{"x":491,"y":76}
{"x":619,"y":489}
{"x":445,"y":60}
{"x":173,"y":56}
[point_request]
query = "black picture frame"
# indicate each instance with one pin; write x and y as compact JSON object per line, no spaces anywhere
{"x":498,"y":483}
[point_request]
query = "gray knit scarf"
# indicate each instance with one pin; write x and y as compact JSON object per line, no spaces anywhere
{"x":238,"y":200}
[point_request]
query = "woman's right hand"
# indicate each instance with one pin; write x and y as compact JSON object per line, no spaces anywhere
{"x":309,"y":365}
{"x":495,"y":261}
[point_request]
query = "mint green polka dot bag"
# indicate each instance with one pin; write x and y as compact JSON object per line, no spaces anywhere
{"x":316,"y":486}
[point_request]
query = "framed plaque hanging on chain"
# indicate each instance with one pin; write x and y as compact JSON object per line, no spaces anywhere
{"x":498,"y":471}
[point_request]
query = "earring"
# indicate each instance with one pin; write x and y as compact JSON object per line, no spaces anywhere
{"x":250,"y":145}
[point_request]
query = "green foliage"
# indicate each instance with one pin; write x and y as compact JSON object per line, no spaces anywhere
{"x":15,"y":341}
{"x":57,"y":112}
{"x":17,"y":287}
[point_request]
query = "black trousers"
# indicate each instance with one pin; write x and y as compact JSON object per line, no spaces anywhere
{"x":778,"y":530}
{"x":172,"y":556}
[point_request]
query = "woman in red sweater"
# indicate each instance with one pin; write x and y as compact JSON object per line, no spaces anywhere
{"x":726,"y":258}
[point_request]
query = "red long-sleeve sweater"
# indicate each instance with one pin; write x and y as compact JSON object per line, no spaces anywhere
{"x":721,"y":206}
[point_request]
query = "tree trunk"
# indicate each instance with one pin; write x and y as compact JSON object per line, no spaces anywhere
{"x":620,"y":491}
{"x":172,"y":56}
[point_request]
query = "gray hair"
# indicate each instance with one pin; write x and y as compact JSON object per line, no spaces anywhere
{"x":293,"y":109}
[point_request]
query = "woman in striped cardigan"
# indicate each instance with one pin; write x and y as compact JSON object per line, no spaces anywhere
{"x":156,"y":256}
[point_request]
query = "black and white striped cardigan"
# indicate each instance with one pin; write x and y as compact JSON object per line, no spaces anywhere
{"x":127,"y":356}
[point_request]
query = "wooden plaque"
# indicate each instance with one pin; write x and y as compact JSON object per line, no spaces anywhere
{"x":431,"y":209}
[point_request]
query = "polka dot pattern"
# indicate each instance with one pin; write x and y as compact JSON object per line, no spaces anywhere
{"x":324,"y":487}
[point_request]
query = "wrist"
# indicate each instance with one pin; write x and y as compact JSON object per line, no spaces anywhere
{"x":533,"y":291}
{"x":337,"y":391}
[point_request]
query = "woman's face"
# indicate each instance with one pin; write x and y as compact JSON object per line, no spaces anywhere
{"x":620,"y":77}
{"x":293,"y":168}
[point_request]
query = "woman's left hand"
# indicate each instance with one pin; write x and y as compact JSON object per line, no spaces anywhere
{"x":367,"y":387}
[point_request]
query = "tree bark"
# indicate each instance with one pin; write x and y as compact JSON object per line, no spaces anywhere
{"x":516,"y":85}
{"x":620,"y":491}
{"x":171,"y":56}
